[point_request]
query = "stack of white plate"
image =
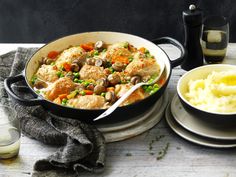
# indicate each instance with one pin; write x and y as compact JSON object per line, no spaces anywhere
{"x":191,"y":128}
{"x":137,"y":125}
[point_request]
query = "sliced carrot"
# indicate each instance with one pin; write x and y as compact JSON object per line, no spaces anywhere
{"x":67,"y":66}
{"x":87,"y":47}
{"x":57,"y":100}
{"x":53,"y":54}
{"x":122,"y":59}
{"x":162,"y":81}
{"x":61,"y":96}
{"x":54,"y":67}
{"x":142,"y":49}
{"x":88,"y":92}
{"x":111,"y":89}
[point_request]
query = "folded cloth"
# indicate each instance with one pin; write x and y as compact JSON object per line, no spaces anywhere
{"x":83,"y":146}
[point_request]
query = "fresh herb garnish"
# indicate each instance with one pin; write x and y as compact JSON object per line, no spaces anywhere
{"x":64,"y":101}
{"x":128,"y":154}
{"x":33,"y":79}
{"x":126,"y":44}
{"x":162,"y":153}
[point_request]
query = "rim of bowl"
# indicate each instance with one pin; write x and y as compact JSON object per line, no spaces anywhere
{"x":194,"y":107}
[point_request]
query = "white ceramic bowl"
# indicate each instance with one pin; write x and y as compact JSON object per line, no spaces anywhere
{"x":202,"y":73}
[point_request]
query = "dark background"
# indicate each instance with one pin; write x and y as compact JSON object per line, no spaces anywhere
{"x":42,"y":21}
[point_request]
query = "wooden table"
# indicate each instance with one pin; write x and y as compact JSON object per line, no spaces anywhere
{"x":132,"y":157}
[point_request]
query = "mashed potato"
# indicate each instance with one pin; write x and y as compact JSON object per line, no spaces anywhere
{"x":216,"y":93}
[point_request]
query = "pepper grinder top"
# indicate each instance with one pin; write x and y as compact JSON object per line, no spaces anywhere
{"x":192,"y":19}
{"x":192,"y":16}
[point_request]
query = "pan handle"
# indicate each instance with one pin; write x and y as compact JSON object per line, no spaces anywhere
{"x":169,"y":40}
{"x":27,"y":102}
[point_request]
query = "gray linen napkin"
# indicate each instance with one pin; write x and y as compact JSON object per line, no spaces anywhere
{"x":82,"y":145}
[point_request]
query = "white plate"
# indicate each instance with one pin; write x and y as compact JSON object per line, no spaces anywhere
{"x":196,"y":125}
{"x":133,"y":127}
{"x":194,"y":138}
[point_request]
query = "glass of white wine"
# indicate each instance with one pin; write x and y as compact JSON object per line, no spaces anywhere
{"x":10,"y":133}
{"x":214,"y":38}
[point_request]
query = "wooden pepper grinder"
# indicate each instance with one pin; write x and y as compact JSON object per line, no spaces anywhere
{"x":192,"y":19}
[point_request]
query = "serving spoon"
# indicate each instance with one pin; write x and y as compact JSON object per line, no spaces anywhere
{"x":128,"y":93}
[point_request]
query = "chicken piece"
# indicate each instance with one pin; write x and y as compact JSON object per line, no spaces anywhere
{"x":47,"y":73}
{"x":92,"y":72}
{"x":69,"y":55}
{"x":115,"y":46}
{"x":143,"y":67}
{"x":121,"y":89}
{"x":87,"y":102}
{"x":62,"y":86}
{"x":115,"y":50}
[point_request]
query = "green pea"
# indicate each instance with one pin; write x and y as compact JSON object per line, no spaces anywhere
{"x":148,"y":89}
{"x":150,"y":81}
{"x":154,"y":91}
{"x":145,"y":87}
{"x":156,"y":86}
{"x":76,"y":74}
{"x":103,"y":94}
{"x":80,"y":81}
{"x":76,"y":80}
{"x":59,"y":73}
{"x":95,"y":52}
{"x":82,"y":93}
{"x":86,"y":83}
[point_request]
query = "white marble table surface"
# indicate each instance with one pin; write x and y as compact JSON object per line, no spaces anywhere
{"x":132,"y":158}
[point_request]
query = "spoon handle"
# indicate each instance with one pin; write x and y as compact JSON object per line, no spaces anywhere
{"x":119,"y":101}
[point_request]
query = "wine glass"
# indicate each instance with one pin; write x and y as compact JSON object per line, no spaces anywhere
{"x":214,"y":38}
{"x":10,"y":133}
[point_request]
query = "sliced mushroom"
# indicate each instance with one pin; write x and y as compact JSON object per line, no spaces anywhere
{"x":99,"y":45}
{"x":135,"y":79}
{"x":46,"y":61}
{"x":110,"y":97}
{"x":98,"y":62}
{"x":114,"y":78}
{"x":118,"y":66}
{"x":104,"y":82}
{"x":40,"y":84}
{"x":90,"y":61}
{"x":75,"y":67}
{"x":98,"y":89}
{"x":107,"y":71}
{"x":90,"y":86}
